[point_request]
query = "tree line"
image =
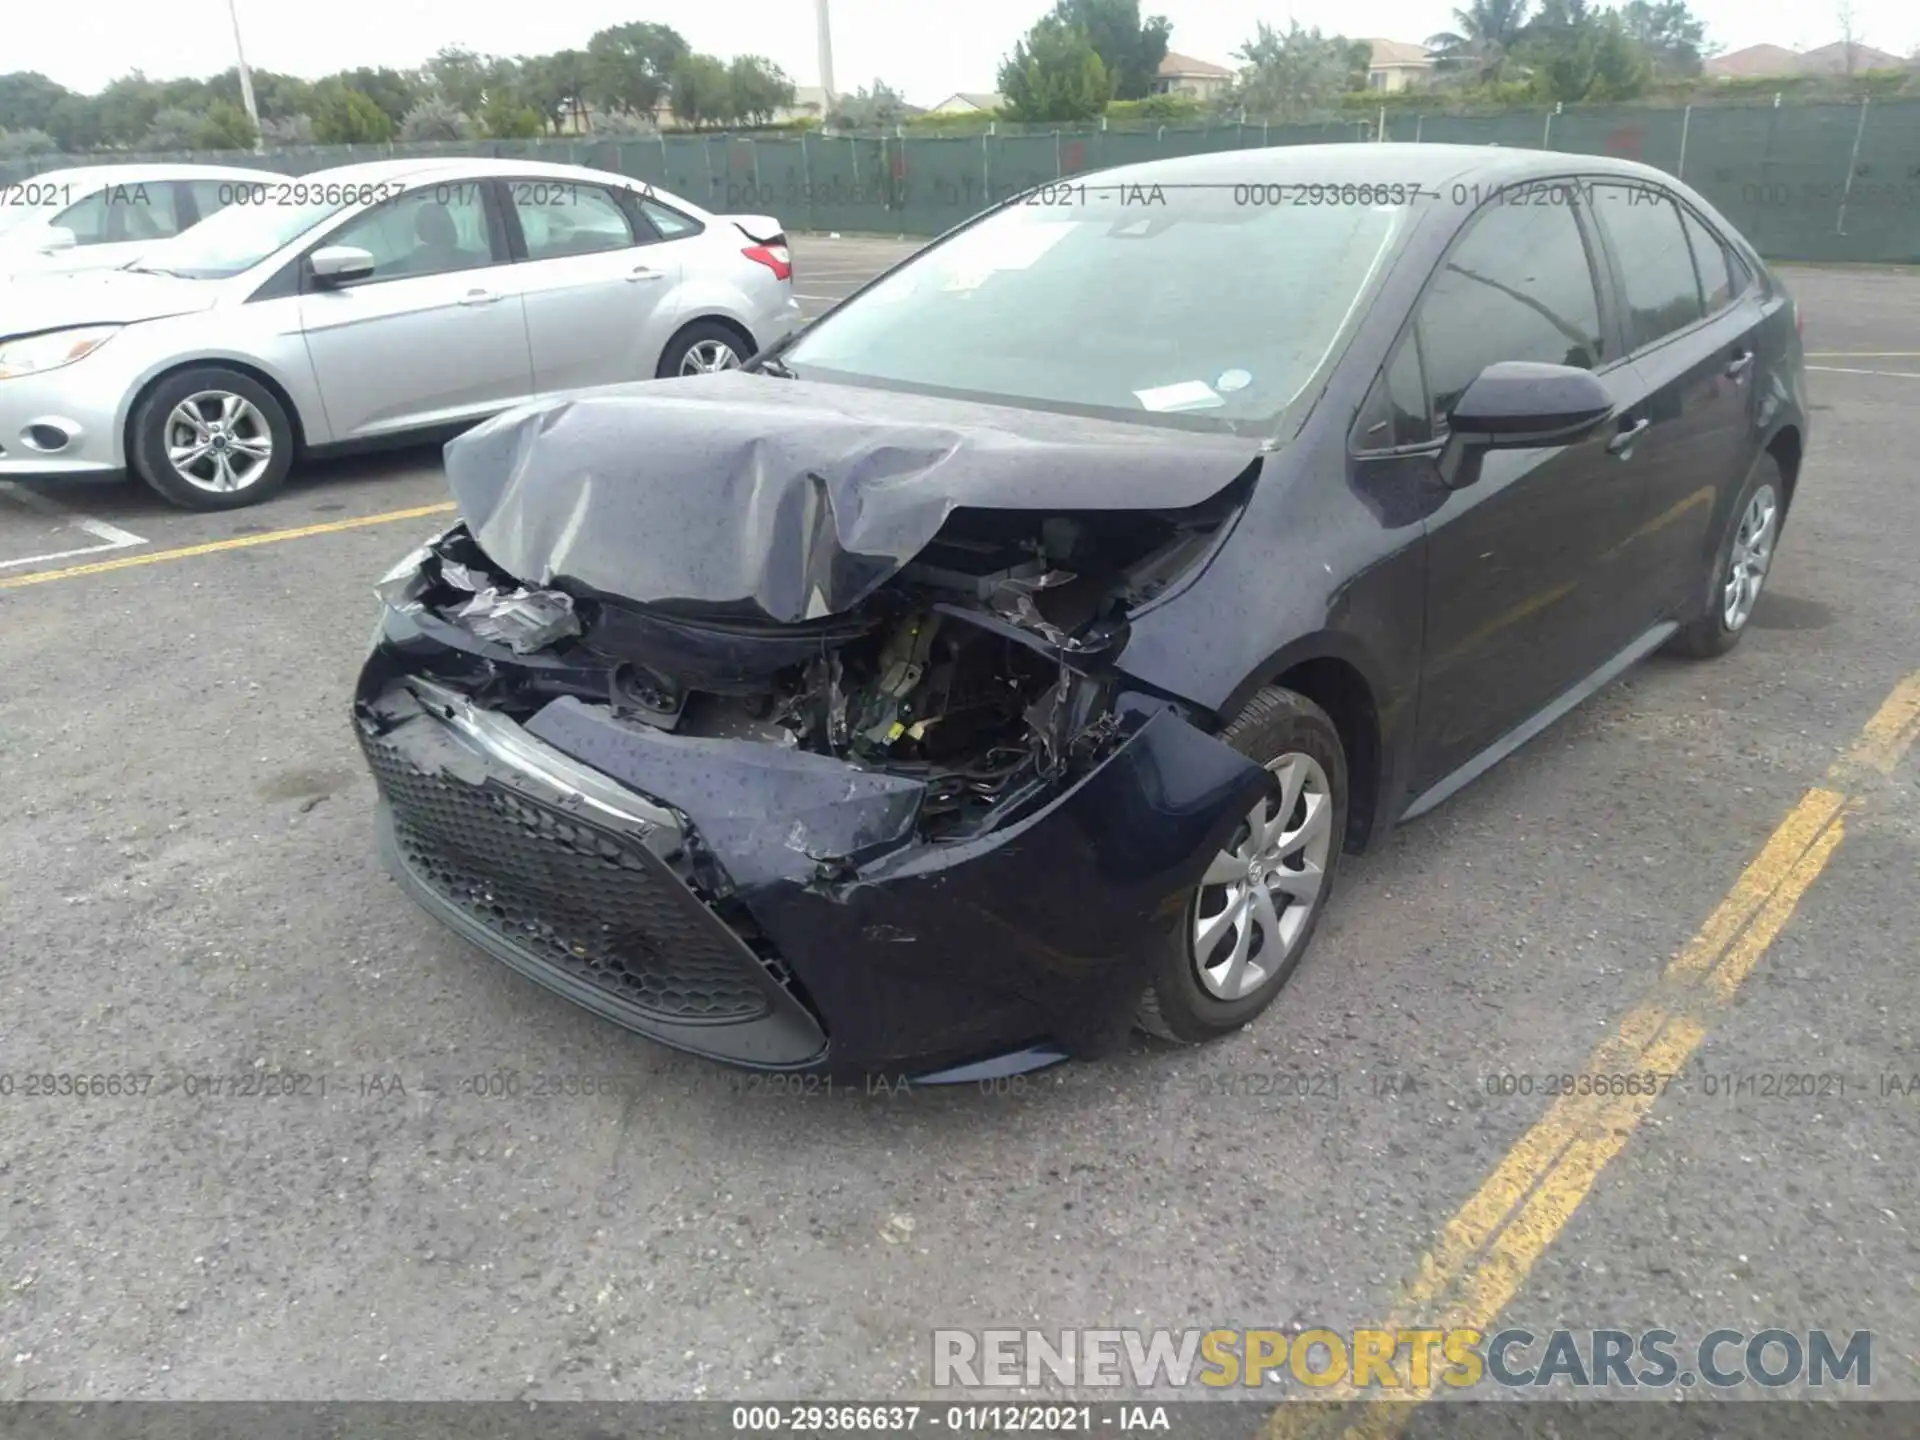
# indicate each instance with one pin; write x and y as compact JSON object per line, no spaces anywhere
{"x":1081,"y":60}
{"x":616,"y":84}
{"x":1085,"y":56}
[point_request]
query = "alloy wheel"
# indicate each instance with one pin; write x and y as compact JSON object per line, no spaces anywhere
{"x":1751,"y":553}
{"x":704,"y":357}
{"x":1257,"y":896}
{"x":218,"y":441}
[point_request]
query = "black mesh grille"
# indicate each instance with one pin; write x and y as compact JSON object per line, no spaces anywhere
{"x":581,"y":898}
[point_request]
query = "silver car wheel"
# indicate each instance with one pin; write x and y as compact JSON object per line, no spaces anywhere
{"x":1751,"y":554}
{"x":1256,"y":898}
{"x":218,"y":441}
{"x":706,"y":356}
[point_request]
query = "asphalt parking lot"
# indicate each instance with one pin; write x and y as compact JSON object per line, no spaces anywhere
{"x":191,"y":890}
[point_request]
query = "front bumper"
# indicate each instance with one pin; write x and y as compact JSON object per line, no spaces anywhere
{"x":71,"y":402}
{"x":773,"y":909}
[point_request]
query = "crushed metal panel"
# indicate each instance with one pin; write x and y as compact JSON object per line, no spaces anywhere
{"x":786,"y":500}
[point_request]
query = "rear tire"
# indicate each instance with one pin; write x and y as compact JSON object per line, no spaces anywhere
{"x":210,"y":438}
{"x":1196,"y":992}
{"x":704,"y":346}
{"x":1741,"y":562}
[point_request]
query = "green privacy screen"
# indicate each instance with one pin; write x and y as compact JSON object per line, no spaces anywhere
{"x":1803,"y":182}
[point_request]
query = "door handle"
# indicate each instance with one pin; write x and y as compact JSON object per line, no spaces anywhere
{"x":642,"y":272}
{"x":1737,"y":366}
{"x":478,"y":297}
{"x":1623,"y":442}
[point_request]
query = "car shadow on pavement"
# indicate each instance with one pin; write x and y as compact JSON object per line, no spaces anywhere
{"x":124,"y":499}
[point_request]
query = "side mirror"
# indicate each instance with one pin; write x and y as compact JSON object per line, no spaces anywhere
{"x":1518,"y":405}
{"x":337,"y":264}
{"x":58,"y":238}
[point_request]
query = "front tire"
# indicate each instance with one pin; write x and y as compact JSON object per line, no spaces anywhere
{"x":210,"y":438}
{"x":1740,"y":565}
{"x":1251,"y":917}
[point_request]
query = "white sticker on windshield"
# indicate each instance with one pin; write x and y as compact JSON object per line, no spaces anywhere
{"x":1187,"y":395}
{"x":1232,"y":380}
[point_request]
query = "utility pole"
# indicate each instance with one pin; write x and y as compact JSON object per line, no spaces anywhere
{"x":246,"y":75}
{"x":826,"y":56}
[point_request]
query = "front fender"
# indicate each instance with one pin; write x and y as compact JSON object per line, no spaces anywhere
{"x":291,"y":373}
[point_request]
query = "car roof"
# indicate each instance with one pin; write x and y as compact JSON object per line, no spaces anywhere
{"x":1389,"y":163}
{"x":456,"y":167}
{"x":128,"y":174}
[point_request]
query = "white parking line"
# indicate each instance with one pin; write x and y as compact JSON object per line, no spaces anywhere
{"x":1843,"y":370}
{"x":111,"y":537}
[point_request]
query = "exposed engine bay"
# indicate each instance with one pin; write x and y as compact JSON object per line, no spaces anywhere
{"x":981,"y":668}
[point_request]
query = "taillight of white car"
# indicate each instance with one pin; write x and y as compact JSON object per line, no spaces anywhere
{"x":776,"y":258}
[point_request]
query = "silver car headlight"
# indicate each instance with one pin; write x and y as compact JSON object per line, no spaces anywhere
{"x":32,"y":354}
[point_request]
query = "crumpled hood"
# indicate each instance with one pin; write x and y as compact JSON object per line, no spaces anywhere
{"x":787,"y":500}
{"x":58,"y":300}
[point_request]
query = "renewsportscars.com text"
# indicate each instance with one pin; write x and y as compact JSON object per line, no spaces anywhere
{"x":1400,"y":1360}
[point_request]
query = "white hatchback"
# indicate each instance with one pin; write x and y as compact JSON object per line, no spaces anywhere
{"x":97,"y":217}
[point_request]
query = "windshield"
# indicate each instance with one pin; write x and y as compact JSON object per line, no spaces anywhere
{"x":1195,"y":306}
{"x":238,"y":237}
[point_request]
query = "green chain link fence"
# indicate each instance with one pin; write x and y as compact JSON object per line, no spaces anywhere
{"x":1808,"y":182}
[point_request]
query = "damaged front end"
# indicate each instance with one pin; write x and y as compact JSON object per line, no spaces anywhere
{"x":917,"y":816}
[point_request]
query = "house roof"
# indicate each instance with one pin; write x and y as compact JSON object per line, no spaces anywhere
{"x":1832,"y":59}
{"x":976,"y":98}
{"x":1185,"y":67}
{"x":1399,"y":52}
{"x":1755,"y":60}
{"x":1759,"y":60}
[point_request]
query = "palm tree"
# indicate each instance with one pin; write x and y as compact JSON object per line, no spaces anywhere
{"x":1488,"y":30}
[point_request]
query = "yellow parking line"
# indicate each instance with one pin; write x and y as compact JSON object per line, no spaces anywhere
{"x":1886,"y":737}
{"x":1487,"y":1250}
{"x":238,"y":542}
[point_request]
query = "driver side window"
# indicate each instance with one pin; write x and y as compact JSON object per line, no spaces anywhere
{"x":1518,"y":286}
{"x":437,"y":230}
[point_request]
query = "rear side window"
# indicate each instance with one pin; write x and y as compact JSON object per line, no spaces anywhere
{"x":670,"y":223}
{"x":561,"y":218}
{"x":1742,"y":276}
{"x":1518,"y":286}
{"x":1656,"y":264}
{"x":1714,"y":262}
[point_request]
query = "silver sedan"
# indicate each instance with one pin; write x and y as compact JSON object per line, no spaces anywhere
{"x":370,"y":304}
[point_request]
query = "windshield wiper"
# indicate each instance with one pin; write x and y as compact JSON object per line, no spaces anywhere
{"x":155,"y":270}
{"x":776,"y":367}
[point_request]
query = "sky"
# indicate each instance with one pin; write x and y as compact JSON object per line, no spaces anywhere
{"x":926,"y":51}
